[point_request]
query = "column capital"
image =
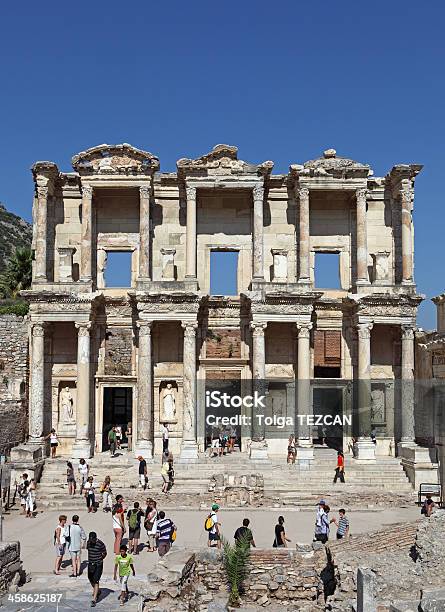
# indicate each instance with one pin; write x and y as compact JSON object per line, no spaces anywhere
{"x":407,"y":332}
{"x":191,"y":192}
{"x":189,"y":327}
{"x":364,"y":330}
{"x":258,"y":192}
{"x":38,"y":329}
{"x":361,"y":194}
{"x":258,"y":327}
{"x":83,"y":328}
{"x":406,"y":190}
{"x":87,"y":191}
{"x":304,"y":329}
{"x":144,"y":327}
{"x":144,"y":191}
{"x":42,"y":191}
{"x":302,"y":192}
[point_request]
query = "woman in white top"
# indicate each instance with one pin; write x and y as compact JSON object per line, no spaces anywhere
{"x":90,"y":494}
{"x":53,"y":442}
{"x":30,"y":499}
{"x":83,"y":473}
{"x":118,"y":430}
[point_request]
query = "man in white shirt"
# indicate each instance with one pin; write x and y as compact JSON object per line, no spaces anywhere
{"x":76,"y":539}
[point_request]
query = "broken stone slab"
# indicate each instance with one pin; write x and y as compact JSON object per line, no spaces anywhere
{"x":432,"y":600}
{"x":365,"y":590}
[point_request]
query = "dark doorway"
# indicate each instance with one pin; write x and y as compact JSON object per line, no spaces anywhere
{"x":328,"y":401}
{"x":118,"y":410}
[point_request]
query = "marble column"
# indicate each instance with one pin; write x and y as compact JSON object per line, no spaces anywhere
{"x":41,"y":236}
{"x":86,"y":241}
{"x":37,"y":392}
{"x":190,"y":256}
{"x":407,"y":382}
{"x":365,"y":447}
{"x":304,"y":236}
{"x":144,"y":232}
{"x":407,"y":240}
{"x":82,"y":445}
{"x":362,"y":238}
{"x":144,"y":442}
{"x":305,"y":451}
{"x":258,"y":233}
{"x":189,"y":446}
{"x":258,"y":446}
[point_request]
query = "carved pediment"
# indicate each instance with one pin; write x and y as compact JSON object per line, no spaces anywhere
{"x":331,"y":165}
{"x":115,"y":159}
{"x":222,"y":159}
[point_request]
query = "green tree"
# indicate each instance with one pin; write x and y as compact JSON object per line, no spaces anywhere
{"x":236,"y":560}
{"x":18,"y":273}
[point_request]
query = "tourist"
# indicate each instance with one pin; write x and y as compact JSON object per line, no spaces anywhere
{"x":428,"y":506}
{"x":22,"y":491}
{"x":164,"y":532}
{"x":214,"y":449}
{"x":222,"y":444}
{"x":280,"y":540}
{"x":213,"y":526}
{"x":124,"y":563}
{"x":340,"y":468}
{"x":232,"y":439}
{"x":118,"y":430}
{"x":76,"y":538}
{"x":30,"y":500}
{"x":90,"y":494}
{"x":53,"y":442}
{"x":96,"y":555}
{"x":70,"y":478}
{"x":342,"y":524}
{"x":171,"y":473}
{"x":106,"y":494}
{"x":291,"y":449}
{"x":59,"y":543}
{"x":112,"y":440}
{"x":373,"y":436}
{"x":244,"y":534}
{"x":150,"y":524}
{"x":118,"y":522}
{"x":164,"y":432}
{"x":320,"y":512}
{"x":129,"y":434}
{"x":322,"y":525}
{"x":164,"y":473}
{"x":134,"y":516}
{"x":142,"y":469}
{"x":83,"y":469}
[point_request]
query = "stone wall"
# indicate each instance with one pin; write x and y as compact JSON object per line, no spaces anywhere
{"x":118,"y":351}
{"x":13,"y":381}
{"x":10,"y":565}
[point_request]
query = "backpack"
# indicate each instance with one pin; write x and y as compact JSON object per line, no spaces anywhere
{"x":133,"y":520}
{"x":209,"y":522}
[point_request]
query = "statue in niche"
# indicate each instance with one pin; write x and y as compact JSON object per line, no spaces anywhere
{"x":168,"y":404}
{"x":102,"y":257}
{"x":66,"y":405}
{"x":377,"y":406}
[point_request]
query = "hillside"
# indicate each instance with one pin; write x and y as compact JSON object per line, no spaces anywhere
{"x":14,"y":232}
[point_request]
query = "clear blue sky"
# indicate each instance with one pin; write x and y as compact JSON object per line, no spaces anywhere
{"x":281,"y":80}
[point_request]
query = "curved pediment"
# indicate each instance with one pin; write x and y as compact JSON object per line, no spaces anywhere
{"x":115,"y":159}
{"x":333,"y":166}
{"x":222,"y":159}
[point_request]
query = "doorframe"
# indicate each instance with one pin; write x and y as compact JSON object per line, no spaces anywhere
{"x":346,"y":394}
{"x":101,"y":383}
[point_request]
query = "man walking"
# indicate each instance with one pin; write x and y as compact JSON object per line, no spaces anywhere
{"x":76,"y":538}
{"x":342,"y":524}
{"x":96,"y":555}
{"x":124,"y":563}
{"x":213,"y":527}
{"x":60,"y":543}
{"x":112,"y":440}
{"x":244,"y":534}
{"x":164,"y":532}
{"x":142,"y":469}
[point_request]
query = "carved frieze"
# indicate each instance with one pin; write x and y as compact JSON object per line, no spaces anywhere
{"x":115,"y":159}
{"x":221,"y":160}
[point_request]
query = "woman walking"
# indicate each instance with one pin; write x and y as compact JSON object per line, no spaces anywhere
{"x":150,"y":524}
{"x":280,"y":540}
{"x":53,"y":442}
{"x":30,"y":503}
{"x":118,"y":523}
{"x":83,"y":468}
{"x":164,"y":473}
{"x":340,"y":469}
{"x":106,"y":494}
{"x":70,"y":478}
{"x":171,"y":473}
{"x":291,"y":449}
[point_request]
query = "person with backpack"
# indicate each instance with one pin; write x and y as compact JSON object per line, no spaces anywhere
{"x":123,"y":563}
{"x":150,"y":524}
{"x":165,"y":530}
{"x":96,"y":555}
{"x":134,"y":516}
{"x":59,"y":543}
{"x":322,"y":527}
{"x":212,"y":526}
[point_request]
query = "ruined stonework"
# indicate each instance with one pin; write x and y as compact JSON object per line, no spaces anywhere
{"x":13,"y":381}
{"x":105,"y":354}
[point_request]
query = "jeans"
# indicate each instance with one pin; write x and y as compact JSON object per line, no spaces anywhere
{"x":339,"y":474}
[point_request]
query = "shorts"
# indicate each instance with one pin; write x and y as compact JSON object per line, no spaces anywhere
{"x":321,"y":537}
{"x":134,"y":534}
{"x":54,"y":444}
{"x":95,"y":572}
{"x":215,"y":443}
{"x":340,"y":536}
{"x":124,"y":582}
{"x":75,"y":554}
{"x":60,"y":549}
{"x":214,"y":537}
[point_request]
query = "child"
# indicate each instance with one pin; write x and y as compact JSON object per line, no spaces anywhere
{"x":124,"y":562}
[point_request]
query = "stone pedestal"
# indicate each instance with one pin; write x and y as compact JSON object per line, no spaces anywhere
{"x":305,"y":456}
{"x":27,"y":458}
{"x":418,"y":464}
{"x":258,"y":451}
{"x":365,"y":450}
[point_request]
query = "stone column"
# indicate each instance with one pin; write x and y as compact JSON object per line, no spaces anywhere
{"x":304,"y":236}
{"x":362,"y":245}
{"x":144,"y":443}
{"x":190,"y":256}
{"x":41,"y":237}
{"x":189,"y":446}
{"x":258,"y":446}
{"x":86,"y":234}
{"x":82,"y":445}
{"x":305,"y":451}
{"x":407,"y":240}
{"x":144,"y":232}
{"x":365,"y":447}
{"x":407,"y":390}
{"x":258,"y":231}
{"x":37,"y":392}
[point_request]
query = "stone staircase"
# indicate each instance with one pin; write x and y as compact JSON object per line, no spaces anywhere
{"x":290,"y":484}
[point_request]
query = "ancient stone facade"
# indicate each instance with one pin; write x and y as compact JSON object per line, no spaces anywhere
{"x":101,"y":354}
{"x":13,"y":381}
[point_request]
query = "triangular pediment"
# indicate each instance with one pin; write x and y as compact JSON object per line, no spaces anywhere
{"x":115,"y":159}
{"x":222,"y":159}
